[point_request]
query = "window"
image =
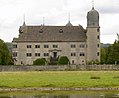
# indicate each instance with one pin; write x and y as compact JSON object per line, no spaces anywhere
{"x":98,"y":37}
{"x":73,"y":54}
{"x":28,"y":46}
{"x":98,"y":45}
{"x":82,"y":46}
{"x":46,"y":54}
{"x":41,"y":31}
{"x":14,"y":54}
{"x":60,"y":31}
{"x":73,"y":46}
{"x":72,"y":61}
{"x":28,"y":54}
{"x":37,"y":46}
{"x":55,"y":46}
{"x":15,"y":46}
{"x":46,"y":46}
{"x":37,"y":54}
{"x":82,"y":54}
{"x":98,"y":54}
{"x":98,"y":30}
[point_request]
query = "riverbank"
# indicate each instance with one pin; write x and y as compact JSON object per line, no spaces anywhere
{"x":55,"y":89}
{"x":59,"y":80}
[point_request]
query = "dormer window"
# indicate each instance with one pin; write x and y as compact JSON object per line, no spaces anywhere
{"x":20,"y":30}
{"x":60,"y":31}
{"x":41,"y":31}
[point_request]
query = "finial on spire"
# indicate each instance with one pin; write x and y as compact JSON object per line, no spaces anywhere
{"x":92,"y":4}
{"x":24,"y":17}
{"x":69,"y":24}
{"x":69,"y":17}
{"x":24,"y":20}
{"x":43,"y":21}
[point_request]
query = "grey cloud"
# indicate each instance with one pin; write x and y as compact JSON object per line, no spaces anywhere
{"x":109,"y":10}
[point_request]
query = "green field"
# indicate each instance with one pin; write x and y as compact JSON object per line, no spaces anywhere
{"x":59,"y":79}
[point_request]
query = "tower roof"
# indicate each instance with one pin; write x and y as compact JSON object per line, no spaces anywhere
{"x":69,"y":24}
{"x":93,"y":18}
{"x":93,"y":11}
{"x":24,"y":24}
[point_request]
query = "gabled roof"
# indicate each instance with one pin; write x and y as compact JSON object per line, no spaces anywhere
{"x":52,"y":34}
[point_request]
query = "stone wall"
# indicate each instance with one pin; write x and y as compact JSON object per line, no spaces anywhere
{"x":58,"y":68}
{"x":31,"y":68}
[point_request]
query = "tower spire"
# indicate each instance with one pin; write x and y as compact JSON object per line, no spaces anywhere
{"x":43,"y":21}
{"x":92,"y":4}
{"x":69,"y":24}
{"x":69,"y":17}
{"x":24,"y":24}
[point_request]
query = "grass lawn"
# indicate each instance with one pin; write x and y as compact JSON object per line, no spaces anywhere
{"x":59,"y":79}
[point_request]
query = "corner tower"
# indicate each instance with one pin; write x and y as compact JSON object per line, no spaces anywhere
{"x":93,"y":35}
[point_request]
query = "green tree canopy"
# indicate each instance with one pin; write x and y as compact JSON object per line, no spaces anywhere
{"x":110,"y":55}
{"x":113,"y":53}
{"x":5,"y":57}
{"x":104,"y":55}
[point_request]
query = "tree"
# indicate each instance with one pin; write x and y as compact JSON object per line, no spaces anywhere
{"x":105,"y":51}
{"x":63,"y":60}
{"x":5,"y":57}
{"x":112,"y":55}
{"x":103,"y":56}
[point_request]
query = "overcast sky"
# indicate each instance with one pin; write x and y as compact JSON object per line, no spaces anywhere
{"x":56,"y":13}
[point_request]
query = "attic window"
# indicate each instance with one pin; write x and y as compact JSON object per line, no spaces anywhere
{"x":41,"y":31}
{"x":60,"y":31}
{"x":20,"y":30}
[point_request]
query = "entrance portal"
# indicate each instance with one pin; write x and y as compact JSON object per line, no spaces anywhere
{"x":55,"y":54}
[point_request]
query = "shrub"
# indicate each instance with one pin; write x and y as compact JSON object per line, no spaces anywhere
{"x":94,"y":77}
{"x":93,"y":62}
{"x":117,"y":77}
{"x":40,"y":61}
{"x":63,"y":60}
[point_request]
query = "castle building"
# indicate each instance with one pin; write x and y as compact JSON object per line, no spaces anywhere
{"x":51,"y":42}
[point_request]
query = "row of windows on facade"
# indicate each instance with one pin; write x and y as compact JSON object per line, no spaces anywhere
{"x":55,"y":46}
{"x":46,"y":54}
